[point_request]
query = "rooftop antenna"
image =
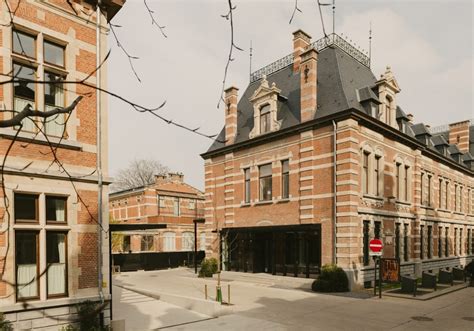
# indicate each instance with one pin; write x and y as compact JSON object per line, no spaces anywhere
{"x":370,"y":42}
{"x":333,"y":16}
{"x":250,"y":65}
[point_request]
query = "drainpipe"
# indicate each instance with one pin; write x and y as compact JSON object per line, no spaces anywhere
{"x":334,"y":259}
{"x":99,"y":157}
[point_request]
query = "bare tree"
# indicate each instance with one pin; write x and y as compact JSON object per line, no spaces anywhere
{"x":138,"y":173}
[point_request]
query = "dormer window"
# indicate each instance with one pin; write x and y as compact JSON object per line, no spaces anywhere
{"x":265,"y":119}
{"x":265,"y":101}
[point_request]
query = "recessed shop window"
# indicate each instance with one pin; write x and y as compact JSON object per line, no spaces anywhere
{"x":26,"y":207}
{"x":147,"y":243}
{"x":56,"y":209}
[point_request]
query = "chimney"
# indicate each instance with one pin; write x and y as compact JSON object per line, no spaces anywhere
{"x":308,"y":84}
{"x":459,"y":135}
{"x":301,"y":40}
{"x":410,"y":118}
{"x":176,"y":176}
{"x":160,"y":178}
{"x":231,"y":96}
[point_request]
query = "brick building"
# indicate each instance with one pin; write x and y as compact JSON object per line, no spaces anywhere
{"x":49,"y":247}
{"x":317,"y":158}
{"x":168,"y":201}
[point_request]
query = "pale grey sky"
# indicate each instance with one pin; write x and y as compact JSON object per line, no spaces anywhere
{"x":428,"y":44}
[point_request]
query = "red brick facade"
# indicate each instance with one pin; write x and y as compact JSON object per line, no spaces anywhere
{"x":168,"y":201}
{"x":354,"y":175}
{"x":29,"y":170}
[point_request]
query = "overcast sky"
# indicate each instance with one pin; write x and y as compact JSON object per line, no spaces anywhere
{"x":428,"y":44}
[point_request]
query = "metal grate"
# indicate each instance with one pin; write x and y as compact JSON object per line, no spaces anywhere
{"x":320,"y":44}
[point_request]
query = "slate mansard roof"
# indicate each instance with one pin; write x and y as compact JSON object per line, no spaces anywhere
{"x":343,"y":82}
{"x":339,"y":78}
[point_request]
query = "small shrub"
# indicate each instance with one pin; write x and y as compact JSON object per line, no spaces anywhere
{"x":88,"y":317}
{"x":4,"y":324}
{"x":331,"y":279}
{"x":208,"y":267}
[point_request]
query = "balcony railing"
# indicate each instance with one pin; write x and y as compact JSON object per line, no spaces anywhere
{"x":331,"y":40}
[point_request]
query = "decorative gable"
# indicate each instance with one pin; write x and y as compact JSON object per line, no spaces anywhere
{"x":265,"y":107}
{"x":388,"y":88}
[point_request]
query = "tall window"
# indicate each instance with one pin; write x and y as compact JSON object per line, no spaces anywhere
{"x":187,"y":241}
{"x":422,"y":189}
{"x":455,"y":242}
{"x":265,"y":179}
{"x":365,"y":173}
{"x":26,"y":258}
{"x":366,"y":242}
{"x":461,"y":250}
{"x":440,"y":191}
{"x":247,"y":185}
{"x":460,"y":199}
{"x":24,"y":92}
{"x":455,"y":197}
{"x":56,"y":209}
{"x":440,"y":242}
{"x":428,"y":193}
{"x":56,"y":259}
{"x":147,"y":243}
{"x":377,"y":230}
{"x":405,"y":242}
{"x":265,"y":119}
{"x":26,"y":207}
{"x":446,"y":195}
{"x":54,"y":98}
{"x":422,"y":242}
{"x":169,"y":241}
{"x":377,"y":175}
{"x":398,"y":181}
{"x":446,"y":242}
{"x":405,"y":183}
{"x":469,"y":241}
{"x":126,"y":244}
{"x":285,"y":179}
{"x":430,"y":241}
{"x":176,"y":208}
{"x":397,"y":240}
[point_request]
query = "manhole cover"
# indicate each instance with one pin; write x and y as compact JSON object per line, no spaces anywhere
{"x":468,"y":319}
{"x":422,"y":318}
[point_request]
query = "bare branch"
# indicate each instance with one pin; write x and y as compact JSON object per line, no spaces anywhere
{"x":228,"y":17}
{"x":294,"y":11}
{"x":119,"y":45}
{"x":27,"y":112}
{"x":153,"y":20}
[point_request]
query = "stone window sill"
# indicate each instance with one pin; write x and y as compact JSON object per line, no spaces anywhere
{"x":372,"y":197}
{"x":458,"y":213}
{"x":405,"y":203}
{"x":263,"y":202}
{"x":427,"y":207}
{"x":40,"y":140}
{"x":245,"y":204}
{"x":283,"y":200}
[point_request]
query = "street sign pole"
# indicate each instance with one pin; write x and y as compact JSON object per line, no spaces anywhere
{"x":376,"y":246}
{"x":375,"y":275}
{"x":380,"y":278}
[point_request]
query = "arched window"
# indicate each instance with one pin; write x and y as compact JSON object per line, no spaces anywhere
{"x":169,"y":241}
{"x":187,"y":241}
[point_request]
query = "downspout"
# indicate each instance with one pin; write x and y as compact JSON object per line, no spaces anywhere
{"x":334,"y":222}
{"x":99,"y":156}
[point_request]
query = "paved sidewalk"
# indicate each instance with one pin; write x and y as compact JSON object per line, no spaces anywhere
{"x":259,"y":303}
{"x":144,"y":313}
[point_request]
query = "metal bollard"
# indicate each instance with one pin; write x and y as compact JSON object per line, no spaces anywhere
{"x":228,"y":294}
{"x":205,"y":291}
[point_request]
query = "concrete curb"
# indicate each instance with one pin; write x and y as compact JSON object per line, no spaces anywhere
{"x":205,"y":307}
{"x":428,"y":296}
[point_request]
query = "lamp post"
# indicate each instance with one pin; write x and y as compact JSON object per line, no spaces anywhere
{"x":196,"y":221}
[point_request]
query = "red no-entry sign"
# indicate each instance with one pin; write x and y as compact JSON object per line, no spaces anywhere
{"x":376,"y":246}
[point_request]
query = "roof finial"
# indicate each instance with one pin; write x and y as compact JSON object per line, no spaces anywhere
{"x":250,"y":65}
{"x":370,"y":43}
